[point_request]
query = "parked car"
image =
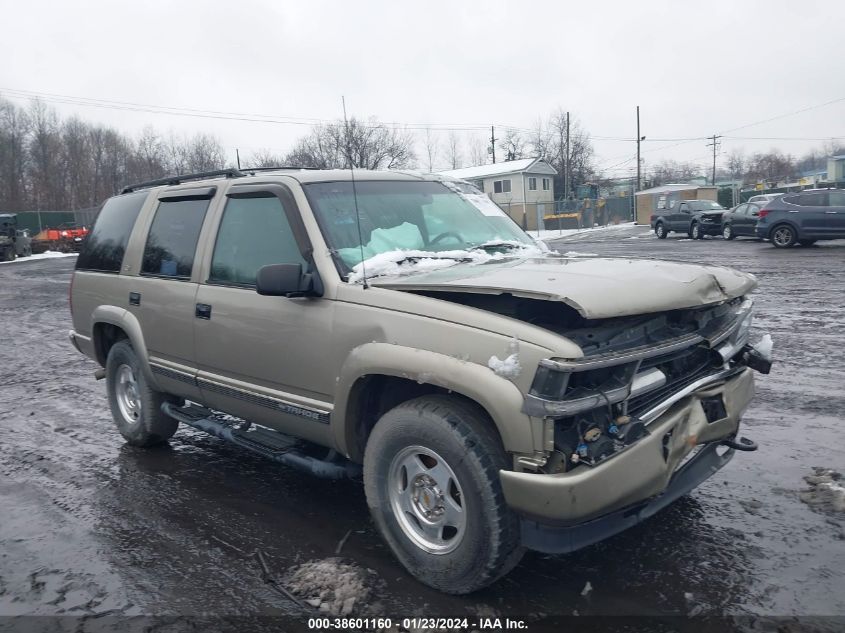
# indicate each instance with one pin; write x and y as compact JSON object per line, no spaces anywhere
{"x":765,"y":197}
{"x":696,"y":218}
{"x":493,"y":395}
{"x":803,"y":218}
{"x":741,"y":220}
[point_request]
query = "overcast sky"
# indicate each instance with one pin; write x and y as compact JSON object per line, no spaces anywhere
{"x":693,"y":68}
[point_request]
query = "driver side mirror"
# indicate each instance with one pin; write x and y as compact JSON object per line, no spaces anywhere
{"x":285,"y":280}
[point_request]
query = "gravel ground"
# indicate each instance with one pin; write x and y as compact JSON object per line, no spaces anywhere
{"x":91,"y":527}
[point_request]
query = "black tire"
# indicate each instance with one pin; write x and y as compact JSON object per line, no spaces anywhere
{"x":783,"y":236}
{"x":695,"y":231}
{"x":806,"y":242}
{"x":135,"y":407}
{"x":461,"y":438}
{"x":728,"y":232}
{"x":660,"y":231}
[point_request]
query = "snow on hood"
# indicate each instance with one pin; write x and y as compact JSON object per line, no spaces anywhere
{"x":597,"y":287}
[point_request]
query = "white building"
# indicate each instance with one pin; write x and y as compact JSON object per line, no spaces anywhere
{"x":524,"y":188}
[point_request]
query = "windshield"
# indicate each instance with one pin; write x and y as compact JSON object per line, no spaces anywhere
{"x":706,"y":205}
{"x":417,"y":216}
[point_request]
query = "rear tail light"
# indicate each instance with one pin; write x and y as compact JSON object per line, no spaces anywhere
{"x":653,"y":217}
{"x":763,"y":213}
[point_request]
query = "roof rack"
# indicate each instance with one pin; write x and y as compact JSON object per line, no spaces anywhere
{"x":176,"y":180}
{"x":250,"y":170}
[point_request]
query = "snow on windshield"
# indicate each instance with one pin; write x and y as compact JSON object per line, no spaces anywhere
{"x":406,"y":262}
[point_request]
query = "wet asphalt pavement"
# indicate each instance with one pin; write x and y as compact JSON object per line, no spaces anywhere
{"x":89,"y":526}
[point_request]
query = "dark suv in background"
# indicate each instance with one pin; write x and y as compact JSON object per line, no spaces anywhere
{"x":803,"y":218}
{"x":696,"y":218}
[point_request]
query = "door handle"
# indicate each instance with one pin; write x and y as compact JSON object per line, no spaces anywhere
{"x":203,"y":311}
{"x":134,"y":298}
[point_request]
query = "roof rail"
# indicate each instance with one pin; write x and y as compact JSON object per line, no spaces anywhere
{"x":250,"y":170}
{"x":175,"y":180}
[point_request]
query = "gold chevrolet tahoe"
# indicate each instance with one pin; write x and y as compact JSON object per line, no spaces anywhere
{"x":401,"y":328}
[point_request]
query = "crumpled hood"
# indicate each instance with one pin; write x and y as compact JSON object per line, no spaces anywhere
{"x":597,"y":287}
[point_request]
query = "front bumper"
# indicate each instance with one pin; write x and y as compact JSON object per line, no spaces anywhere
{"x":648,"y":468}
{"x":710,"y":228}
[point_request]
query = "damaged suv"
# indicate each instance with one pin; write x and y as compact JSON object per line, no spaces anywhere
{"x":494,"y":396}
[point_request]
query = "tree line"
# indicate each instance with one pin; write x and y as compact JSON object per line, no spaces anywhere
{"x":53,"y":163}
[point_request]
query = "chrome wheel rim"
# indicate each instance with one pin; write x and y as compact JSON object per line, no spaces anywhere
{"x":659,"y":230}
{"x":127,"y":393}
{"x":726,"y":232}
{"x":695,"y":231}
{"x":782,"y":236}
{"x":427,"y":500}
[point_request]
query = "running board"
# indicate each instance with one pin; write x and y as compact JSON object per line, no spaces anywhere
{"x":273,"y":445}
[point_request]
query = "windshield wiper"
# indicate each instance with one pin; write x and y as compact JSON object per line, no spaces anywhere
{"x":488,"y":246}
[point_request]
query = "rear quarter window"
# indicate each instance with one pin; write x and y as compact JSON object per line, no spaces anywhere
{"x":104,"y":247}
{"x":172,"y":240}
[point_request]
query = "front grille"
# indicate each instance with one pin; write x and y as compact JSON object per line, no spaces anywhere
{"x":681,"y":369}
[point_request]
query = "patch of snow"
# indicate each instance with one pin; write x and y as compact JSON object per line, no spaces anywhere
{"x":334,"y":586}
{"x":552,"y":234}
{"x":509,"y":367}
{"x":825,"y":491}
{"x":764,"y":346}
{"x":405,"y":262}
{"x":587,"y":589}
{"x":44,"y":255}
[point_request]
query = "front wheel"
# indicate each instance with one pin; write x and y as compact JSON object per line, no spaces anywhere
{"x":784,"y":236}
{"x":431,"y":477}
{"x":660,"y":231}
{"x":135,"y":406}
{"x":728,"y":232}
{"x":695,"y":231}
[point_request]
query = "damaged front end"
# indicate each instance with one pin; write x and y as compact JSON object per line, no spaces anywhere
{"x":650,"y":411}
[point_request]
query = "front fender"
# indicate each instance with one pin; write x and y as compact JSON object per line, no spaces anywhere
{"x":499,"y":397}
{"x":127,"y":322}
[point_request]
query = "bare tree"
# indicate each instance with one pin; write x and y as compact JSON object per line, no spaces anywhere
{"x":513,"y":145}
{"x":477,"y":150}
{"x":14,"y":131}
{"x":572,"y":152}
{"x":736,"y":164}
{"x":431,"y":148}
{"x":541,"y":139}
{"x":369,"y":145}
{"x":453,"y":150}
{"x":670,"y":171}
{"x":264,"y":158}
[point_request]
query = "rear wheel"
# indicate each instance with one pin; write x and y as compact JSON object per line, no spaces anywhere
{"x":728,"y":232}
{"x":784,"y":236}
{"x":135,"y":406}
{"x":660,"y":231}
{"x":431,"y":476}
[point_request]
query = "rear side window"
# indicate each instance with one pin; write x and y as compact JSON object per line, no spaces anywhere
{"x":812,"y":200}
{"x":104,"y":247}
{"x":837,"y":198}
{"x":254,"y":232}
{"x":173,"y":237}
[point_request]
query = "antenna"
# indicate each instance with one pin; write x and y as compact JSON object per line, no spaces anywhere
{"x":354,"y":192}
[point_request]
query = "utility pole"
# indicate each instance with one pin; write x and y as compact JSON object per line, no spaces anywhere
{"x":639,"y":181}
{"x":715,"y":147}
{"x":493,"y":142}
{"x":566,"y":162}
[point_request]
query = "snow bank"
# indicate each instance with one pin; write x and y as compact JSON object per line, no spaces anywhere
{"x":405,"y":262}
{"x":552,"y":234}
{"x":334,"y":586}
{"x":44,"y":255}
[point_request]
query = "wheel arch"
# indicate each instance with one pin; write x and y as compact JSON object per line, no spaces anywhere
{"x":112,"y":324}
{"x":378,"y":376}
